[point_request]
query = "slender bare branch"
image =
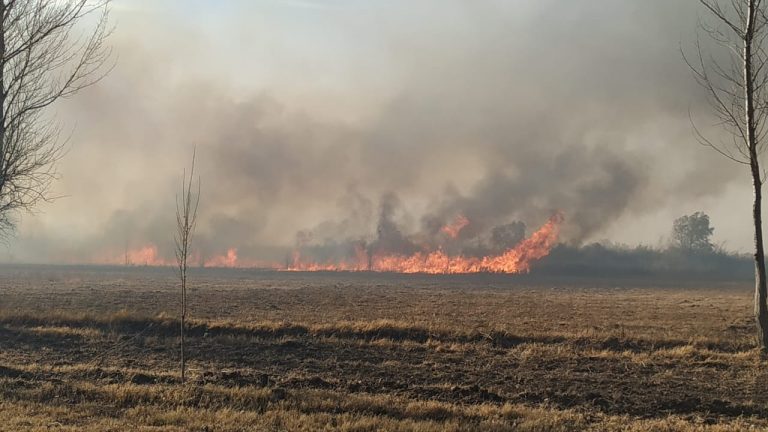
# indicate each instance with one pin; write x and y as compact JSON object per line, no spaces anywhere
{"x":186,"y":220}
{"x":738,"y":96}
{"x":45,"y":55}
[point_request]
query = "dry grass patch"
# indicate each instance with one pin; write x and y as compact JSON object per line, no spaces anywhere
{"x":375,"y":352}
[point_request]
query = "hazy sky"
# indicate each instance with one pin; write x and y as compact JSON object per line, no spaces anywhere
{"x":305,"y":113}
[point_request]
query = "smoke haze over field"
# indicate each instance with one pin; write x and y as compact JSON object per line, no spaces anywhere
{"x":340,"y":120}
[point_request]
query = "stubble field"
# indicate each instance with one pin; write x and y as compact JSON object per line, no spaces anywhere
{"x":97,"y":349}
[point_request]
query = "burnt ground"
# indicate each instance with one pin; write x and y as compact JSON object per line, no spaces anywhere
{"x":639,"y":350}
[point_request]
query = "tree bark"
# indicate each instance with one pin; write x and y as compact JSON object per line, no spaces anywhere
{"x":2,"y":88}
{"x":183,"y":316}
{"x":761,"y":289}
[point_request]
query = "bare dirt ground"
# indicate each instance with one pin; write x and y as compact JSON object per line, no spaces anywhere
{"x":97,"y":349}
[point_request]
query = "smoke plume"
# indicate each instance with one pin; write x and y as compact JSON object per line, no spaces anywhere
{"x":341,"y":126}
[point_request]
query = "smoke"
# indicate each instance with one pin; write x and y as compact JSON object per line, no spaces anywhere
{"x":347,"y":126}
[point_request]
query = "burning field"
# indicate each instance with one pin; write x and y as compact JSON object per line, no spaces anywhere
{"x":516,"y":259}
{"x":320,"y":215}
{"x":505,"y":249}
{"x":97,"y":349}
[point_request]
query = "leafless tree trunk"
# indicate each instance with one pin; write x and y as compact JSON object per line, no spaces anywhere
{"x":186,"y":217}
{"x":738,"y":92}
{"x":44,"y":57}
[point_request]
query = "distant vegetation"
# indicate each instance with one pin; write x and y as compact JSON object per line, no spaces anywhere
{"x":690,"y":251}
{"x":598,"y":259}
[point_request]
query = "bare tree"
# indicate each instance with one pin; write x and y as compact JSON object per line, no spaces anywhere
{"x":186,"y":217}
{"x":46,"y":53}
{"x":736,"y":83}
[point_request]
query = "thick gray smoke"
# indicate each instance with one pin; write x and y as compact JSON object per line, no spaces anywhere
{"x":377,"y":124}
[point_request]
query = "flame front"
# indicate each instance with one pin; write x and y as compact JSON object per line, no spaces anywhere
{"x":515,"y":260}
{"x":229,"y":260}
{"x":360,"y":262}
{"x":146,"y":255}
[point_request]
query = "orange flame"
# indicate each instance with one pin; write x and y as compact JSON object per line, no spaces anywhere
{"x":228,"y":260}
{"x":454,"y":228}
{"x":515,"y":260}
{"x":146,"y":255}
{"x":232,"y":260}
{"x":359,"y":263}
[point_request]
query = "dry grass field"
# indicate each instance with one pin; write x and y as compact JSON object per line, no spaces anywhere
{"x":96,"y":349}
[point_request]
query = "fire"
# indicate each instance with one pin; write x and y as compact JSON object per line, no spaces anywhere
{"x":359,"y":263}
{"x":231,"y":259}
{"x":146,"y":255}
{"x":228,"y":260}
{"x":515,"y":260}
{"x":454,"y":228}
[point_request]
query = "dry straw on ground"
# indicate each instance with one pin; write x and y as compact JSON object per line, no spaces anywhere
{"x":96,"y":350}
